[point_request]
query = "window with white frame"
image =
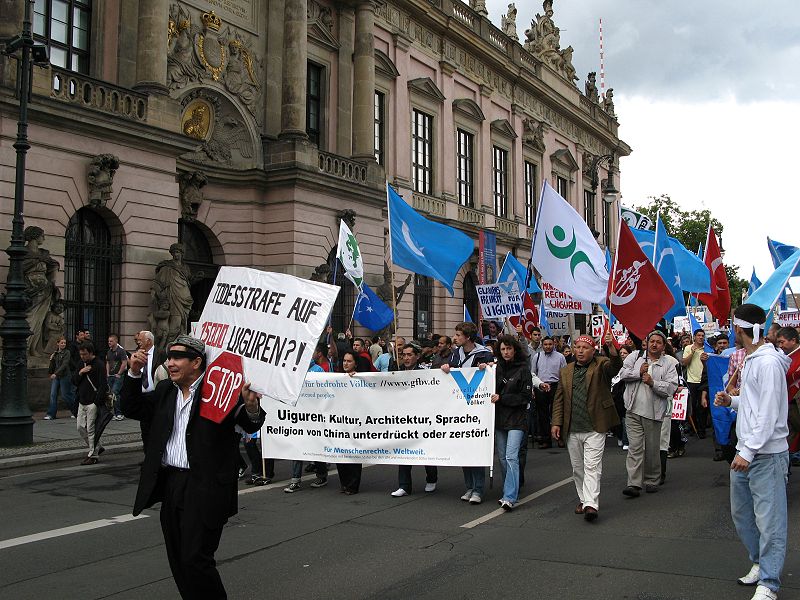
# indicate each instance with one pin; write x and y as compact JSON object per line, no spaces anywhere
{"x":500,"y":181}
{"x":465,"y":168}
{"x":422,"y":152}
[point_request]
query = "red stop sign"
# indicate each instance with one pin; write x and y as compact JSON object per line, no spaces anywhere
{"x":222,"y":384}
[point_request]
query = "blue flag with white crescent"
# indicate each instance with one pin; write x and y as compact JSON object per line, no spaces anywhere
{"x":515,"y":271}
{"x":768,"y":294}
{"x":721,"y":416}
{"x":695,"y":276}
{"x":371,"y":311}
{"x":543,"y":322}
{"x":423,"y":246}
{"x":664,"y":262}
{"x":780,"y":252}
{"x":755,"y":283}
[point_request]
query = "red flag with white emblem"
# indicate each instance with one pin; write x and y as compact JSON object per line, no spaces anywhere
{"x":719,"y":300}
{"x":637,"y":295}
{"x":529,"y":318}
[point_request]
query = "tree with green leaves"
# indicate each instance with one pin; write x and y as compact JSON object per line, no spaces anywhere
{"x":690,"y":228}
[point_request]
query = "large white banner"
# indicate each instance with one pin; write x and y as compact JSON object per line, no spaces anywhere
{"x":500,"y":300}
{"x":558,"y":301}
{"x":424,"y":417}
{"x":559,"y":323}
{"x":261,"y":327}
{"x":789,"y":318}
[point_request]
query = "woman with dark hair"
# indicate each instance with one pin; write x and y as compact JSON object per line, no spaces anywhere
{"x":349,"y":473}
{"x":513,"y":392}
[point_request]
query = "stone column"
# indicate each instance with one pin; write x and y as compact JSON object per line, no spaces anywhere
{"x":364,"y":82}
{"x":151,"y":47}
{"x":295,"y":70}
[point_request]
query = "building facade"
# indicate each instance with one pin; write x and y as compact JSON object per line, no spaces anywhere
{"x":246,"y":129}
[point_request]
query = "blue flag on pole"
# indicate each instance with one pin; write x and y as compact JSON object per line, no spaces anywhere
{"x":722,"y":417}
{"x":695,"y":276}
{"x":781,"y":252}
{"x":664,"y":262}
{"x":755,"y":283}
{"x":467,"y":316}
{"x":423,"y":246}
{"x":513,"y":270}
{"x":543,"y":322}
{"x":767,"y":295}
{"x":371,"y":311}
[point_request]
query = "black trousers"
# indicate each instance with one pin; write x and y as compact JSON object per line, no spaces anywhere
{"x":544,"y":411}
{"x":699,"y":414}
{"x":404,"y":476}
{"x":190,"y":543}
{"x":254,"y":454}
{"x":349,"y":476}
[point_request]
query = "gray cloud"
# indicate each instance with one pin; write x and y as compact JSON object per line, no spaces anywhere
{"x":679,"y":50}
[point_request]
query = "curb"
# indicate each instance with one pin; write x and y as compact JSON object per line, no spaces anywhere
{"x":62,"y":456}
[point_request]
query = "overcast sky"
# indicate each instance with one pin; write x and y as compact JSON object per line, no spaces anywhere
{"x":708,"y":96}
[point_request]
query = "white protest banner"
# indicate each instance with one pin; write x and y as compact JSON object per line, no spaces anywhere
{"x":682,"y":324}
{"x":260,"y":327}
{"x":680,"y":404}
{"x":598,"y":325}
{"x":499,"y":301}
{"x":559,"y":323}
{"x":424,"y":417}
{"x":635,"y":219}
{"x":556,"y":300}
{"x":789,"y":318}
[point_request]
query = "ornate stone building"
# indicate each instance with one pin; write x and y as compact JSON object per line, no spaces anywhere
{"x":244,"y":130}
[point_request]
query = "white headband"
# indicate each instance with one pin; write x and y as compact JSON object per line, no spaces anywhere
{"x":746,"y":325}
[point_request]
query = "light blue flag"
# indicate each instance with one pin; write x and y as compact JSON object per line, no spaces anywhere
{"x":664,"y":262}
{"x":755,"y":283}
{"x":694,"y":326}
{"x":767,"y":295}
{"x":543,"y":322}
{"x":695,"y":276}
{"x":513,"y":270}
{"x":467,"y":316}
{"x":371,"y":311}
{"x":424,"y":246}
{"x":721,"y":416}
{"x":781,"y":252}
{"x":731,"y":338}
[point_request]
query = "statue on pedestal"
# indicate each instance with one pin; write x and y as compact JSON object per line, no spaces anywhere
{"x":171,"y":297}
{"x":39,"y":270}
{"x":508,"y":23}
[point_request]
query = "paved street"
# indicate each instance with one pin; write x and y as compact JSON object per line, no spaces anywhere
{"x":66,"y":533}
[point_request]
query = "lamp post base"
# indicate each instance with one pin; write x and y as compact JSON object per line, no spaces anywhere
{"x":16,"y":431}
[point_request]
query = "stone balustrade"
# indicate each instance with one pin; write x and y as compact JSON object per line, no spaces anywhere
{"x":73,"y":88}
{"x":343,"y":168}
{"x":428,"y":204}
{"x":506,"y":227}
{"x":471,"y":216}
{"x":463,"y":13}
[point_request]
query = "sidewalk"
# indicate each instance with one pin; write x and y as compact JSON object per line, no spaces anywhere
{"x":59,"y":440}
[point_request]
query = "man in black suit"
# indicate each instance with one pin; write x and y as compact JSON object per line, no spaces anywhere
{"x":190,"y":463}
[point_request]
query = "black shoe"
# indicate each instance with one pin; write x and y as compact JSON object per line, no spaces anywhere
{"x":718,"y":456}
{"x":241,"y":472}
{"x":631,"y":491}
{"x":701,"y":435}
{"x":590,"y":514}
{"x":319,"y":482}
{"x":650,"y":489}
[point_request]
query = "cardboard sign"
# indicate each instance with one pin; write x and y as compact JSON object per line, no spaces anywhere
{"x":598,"y":325}
{"x":680,"y":404}
{"x":272,"y":321}
{"x":558,"y":301}
{"x":789,"y":318}
{"x":500,"y":300}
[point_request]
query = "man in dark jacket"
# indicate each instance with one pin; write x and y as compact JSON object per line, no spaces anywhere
{"x":91,"y":384}
{"x":583,"y":411}
{"x":190,"y":463}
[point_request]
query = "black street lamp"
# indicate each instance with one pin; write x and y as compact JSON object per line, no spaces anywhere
{"x":610,"y":191}
{"x":16,"y":424}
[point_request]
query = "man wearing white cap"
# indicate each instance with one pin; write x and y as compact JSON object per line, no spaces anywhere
{"x":759,"y":471}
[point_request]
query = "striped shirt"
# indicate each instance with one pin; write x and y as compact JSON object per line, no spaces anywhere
{"x":175,"y":453}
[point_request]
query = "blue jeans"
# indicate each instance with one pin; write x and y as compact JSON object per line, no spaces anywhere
{"x":475,"y":478}
{"x":114,"y":386}
{"x":297,"y":470}
{"x":758,"y":508}
{"x":64,"y":384}
{"x":508,"y":443}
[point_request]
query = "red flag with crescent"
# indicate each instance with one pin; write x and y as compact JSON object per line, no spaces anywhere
{"x":529,"y":318}
{"x":637,"y":295}
{"x":718,"y":300}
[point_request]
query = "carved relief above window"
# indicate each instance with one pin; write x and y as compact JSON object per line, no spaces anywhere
{"x":469,"y":108}
{"x":321,"y":25}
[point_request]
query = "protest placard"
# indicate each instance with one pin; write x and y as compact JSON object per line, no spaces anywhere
{"x":556,"y":300}
{"x":499,"y":300}
{"x":598,"y":323}
{"x":424,"y":417}
{"x":682,"y":324}
{"x":559,"y":323}
{"x":260,"y":327}
{"x":680,"y":404}
{"x":789,"y":318}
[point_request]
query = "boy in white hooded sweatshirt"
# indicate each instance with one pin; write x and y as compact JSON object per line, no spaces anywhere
{"x":760,"y":469}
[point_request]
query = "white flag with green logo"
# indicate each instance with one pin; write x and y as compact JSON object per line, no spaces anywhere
{"x":349,"y":255}
{"x":565,"y":252}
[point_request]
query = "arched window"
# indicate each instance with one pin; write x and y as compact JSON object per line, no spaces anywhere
{"x":200,"y":259}
{"x":471,"y":295}
{"x":91,"y":277}
{"x":423,"y":306}
{"x":346,"y":300}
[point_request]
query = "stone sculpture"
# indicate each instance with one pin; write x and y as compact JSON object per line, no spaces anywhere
{"x":509,"y":22}
{"x":100,"y":177}
{"x":191,"y":194}
{"x":591,"y":87}
{"x":171,"y":292}
{"x":39,"y":271}
{"x":608,"y":102}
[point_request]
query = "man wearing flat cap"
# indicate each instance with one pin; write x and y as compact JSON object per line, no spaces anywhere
{"x":583,"y":411}
{"x":651,"y":378}
{"x":190,"y":463}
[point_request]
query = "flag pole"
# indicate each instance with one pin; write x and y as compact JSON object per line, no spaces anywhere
{"x":391,"y":274}
{"x":613,"y":273}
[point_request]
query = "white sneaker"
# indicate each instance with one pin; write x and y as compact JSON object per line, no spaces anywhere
{"x":399,"y":493}
{"x":764,"y":593}
{"x":752,"y":576}
{"x":625,"y":446}
{"x":48,"y":418}
{"x":430,"y":487}
{"x":475,"y":498}
{"x":467,"y":495}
